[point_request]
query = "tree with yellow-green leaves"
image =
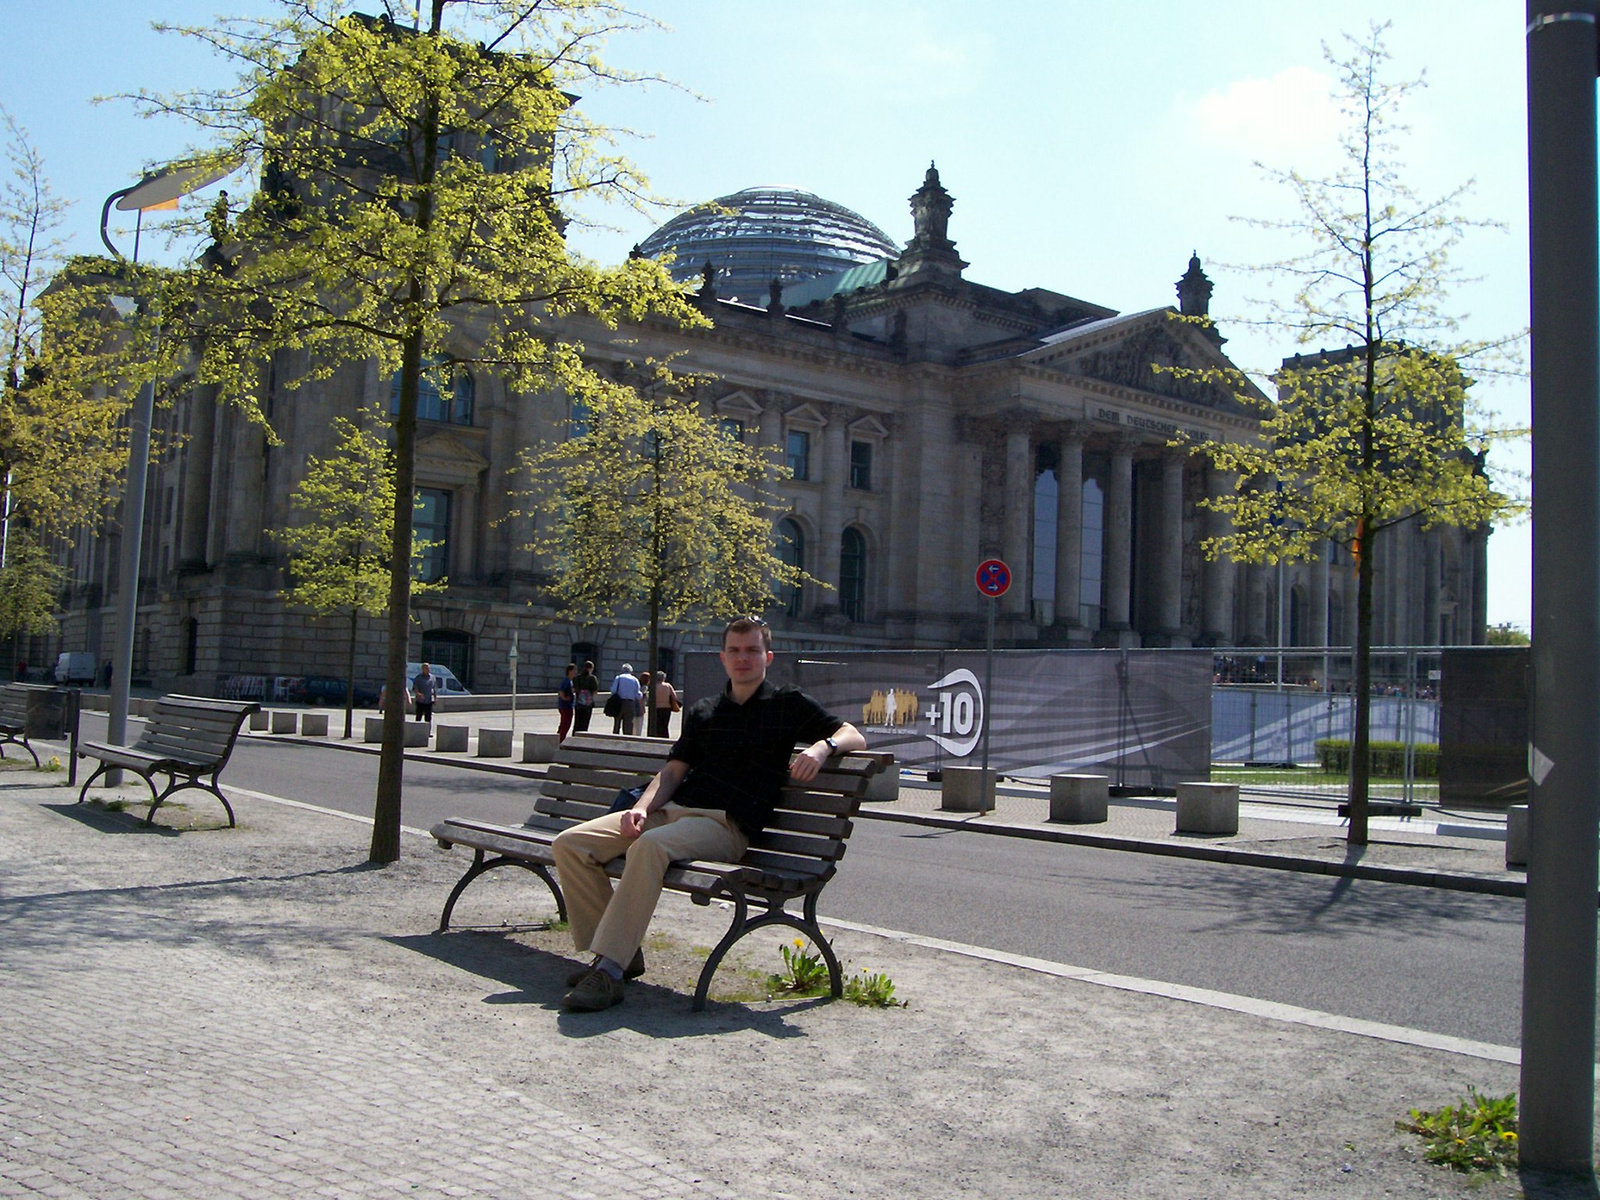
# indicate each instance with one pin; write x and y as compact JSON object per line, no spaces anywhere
{"x":651,"y":507}
{"x":416,"y":177}
{"x":342,"y":544}
{"x":61,"y":446}
{"x":1381,"y":434}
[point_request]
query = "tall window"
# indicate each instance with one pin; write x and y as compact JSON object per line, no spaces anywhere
{"x":732,"y":428}
{"x":799,"y":453}
{"x":431,"y":524}
{"x":1044,"y":539}
{"x":1093,"y":556}
{"x":443,"y":394}
{"x":792,"y":550}
{"x":861,"y":466}
{"x":578,"y":421}
{"x":853,"y":574}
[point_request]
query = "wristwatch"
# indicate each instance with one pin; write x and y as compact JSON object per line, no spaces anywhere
{"x":833,"y":746}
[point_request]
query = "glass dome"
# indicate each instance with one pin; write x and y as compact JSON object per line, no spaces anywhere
{"x":760,"y":233}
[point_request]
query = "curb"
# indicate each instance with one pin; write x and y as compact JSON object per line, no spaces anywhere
{"x":1409,"y":876}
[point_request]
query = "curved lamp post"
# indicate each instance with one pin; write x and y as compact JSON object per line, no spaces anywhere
{"x":157,"y":189}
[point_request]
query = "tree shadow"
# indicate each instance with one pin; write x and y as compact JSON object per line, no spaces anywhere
{"x":538,"y":977}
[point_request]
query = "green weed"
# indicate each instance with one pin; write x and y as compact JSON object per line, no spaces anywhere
{"x":1479,"y":1134}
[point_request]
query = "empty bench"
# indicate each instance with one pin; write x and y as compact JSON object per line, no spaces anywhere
{"x":189,"y":739}
{"x":14,"y":718}
{"x":791,"y":860}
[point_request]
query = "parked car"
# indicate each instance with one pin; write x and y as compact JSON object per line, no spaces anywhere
{"x":74,"y":666}
{"x":449,"y":685}
{"x":330,"y":690}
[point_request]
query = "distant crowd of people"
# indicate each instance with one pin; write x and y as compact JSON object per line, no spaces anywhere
{"x":631,"y":698}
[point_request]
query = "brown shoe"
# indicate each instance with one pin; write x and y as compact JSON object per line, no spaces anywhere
{"x":633,"y":970}
{"x":595,"y":992}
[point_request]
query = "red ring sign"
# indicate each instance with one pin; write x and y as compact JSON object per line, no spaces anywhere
{"x":993,"y":578}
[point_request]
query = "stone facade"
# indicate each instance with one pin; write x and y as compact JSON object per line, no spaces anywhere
{"x":934,"y":423}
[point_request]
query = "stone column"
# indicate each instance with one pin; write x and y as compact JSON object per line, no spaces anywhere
{"x":1317,"y":601}
{"x":1221,"y":573}
{"x":196,"y":504}
{"x":1169,"y":584}
{"x":464,"y":563}
{"x":1018,"y":508}
{"x":1431,"y":585}
{"x":1476,"y":552}
{"x":1256,"y":615}
{"x":834,"y":474}
{"x":1069,"y":528}
{"x":1119,"y":537}
{"x":769,"y":434}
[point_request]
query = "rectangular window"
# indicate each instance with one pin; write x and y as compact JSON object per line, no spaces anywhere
{"x":732,"y":429}
{"x":430,"y":523}
{"x":799,"y":454}
{"x":861,"y":466}
{"x":578,"y":418}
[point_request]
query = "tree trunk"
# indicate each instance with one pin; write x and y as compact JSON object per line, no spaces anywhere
{"x":1360,"y":740}
{"x":391,"y":759}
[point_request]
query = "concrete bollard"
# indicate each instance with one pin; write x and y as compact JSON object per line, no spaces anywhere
{"x":259,"y":720}
{"x":1208,"y":808}
{"x":967,"y":789}
{"x":372,"y":731}
{"x":884,"y":786}
{"x":284,"y":720}
{"x":494,"y":743}
{"x":1079,"y":799}
{"x":539,"y":747}
{"x":417,"y":735}
{"x":313,"y":724}
{"x":1517,"y":836}
{"x":449,"y":739}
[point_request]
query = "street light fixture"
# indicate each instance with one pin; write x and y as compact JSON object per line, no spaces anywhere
{"x":158,"y":189}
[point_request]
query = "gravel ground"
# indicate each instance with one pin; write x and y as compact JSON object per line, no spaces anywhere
{"x":257,"y":1012}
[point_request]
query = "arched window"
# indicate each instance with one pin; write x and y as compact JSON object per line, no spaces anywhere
{"x":449,"y":403}
{"x":853,"y":575}
{"x":450,"y":648}
{"x":792,"y":551}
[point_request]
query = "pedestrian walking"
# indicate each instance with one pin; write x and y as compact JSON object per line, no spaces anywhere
{"x":566,"y":698}
{"x":666,"y":702}
{"x":585,"y":688}
{"x":623,"y":705}
{"x":424,"y":691}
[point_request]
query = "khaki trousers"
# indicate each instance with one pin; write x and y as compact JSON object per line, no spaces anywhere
{"x":613,"y":925}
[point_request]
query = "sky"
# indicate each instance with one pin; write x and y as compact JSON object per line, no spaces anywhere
{"x":1090,"y":147}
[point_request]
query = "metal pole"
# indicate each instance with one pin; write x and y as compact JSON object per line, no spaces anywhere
{"x":128,"y":569}
{"x":1558,"y":975}
{"x":988,"y":703}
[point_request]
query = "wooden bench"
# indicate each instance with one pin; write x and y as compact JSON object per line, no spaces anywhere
{"x":185,"y":738}
{"x":792,"y":859}
{"x":14,"y":718}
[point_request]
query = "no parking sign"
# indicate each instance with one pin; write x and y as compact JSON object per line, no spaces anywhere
{"x":993,"y":578}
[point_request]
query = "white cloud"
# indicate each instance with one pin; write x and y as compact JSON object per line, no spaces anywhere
{"x":1288,"y":117}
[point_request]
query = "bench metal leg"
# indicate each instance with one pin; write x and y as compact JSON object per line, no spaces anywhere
{"x":173,"y":787}
{"x":103,"y":768}
{"x":775,"y":914}
{"x":480,"y":867}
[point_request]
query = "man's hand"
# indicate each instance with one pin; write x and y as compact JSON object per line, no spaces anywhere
{"x":808,"y":762}
{"x":632,"y":823}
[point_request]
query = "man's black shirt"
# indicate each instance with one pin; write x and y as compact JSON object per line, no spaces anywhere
{"x":738,"y":754}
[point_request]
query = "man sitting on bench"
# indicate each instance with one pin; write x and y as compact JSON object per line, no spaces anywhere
{"x":718,"y":788}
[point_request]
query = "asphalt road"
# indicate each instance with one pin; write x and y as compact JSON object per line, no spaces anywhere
{"x":1447,"y":962}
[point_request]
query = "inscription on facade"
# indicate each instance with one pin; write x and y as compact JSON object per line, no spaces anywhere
{"x":1127,"y":420}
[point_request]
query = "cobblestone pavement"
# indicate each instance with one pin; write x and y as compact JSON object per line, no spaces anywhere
{"x":199,"y":1012}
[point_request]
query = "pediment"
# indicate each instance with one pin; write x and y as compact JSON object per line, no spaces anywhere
{"x":738,"y":405}
{"x":806,"y":414}
{"x":1134,"y":352}
{"x":868,"y":427}
{"x":443,"y":454}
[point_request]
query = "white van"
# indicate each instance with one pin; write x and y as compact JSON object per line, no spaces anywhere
{"x":448,"y":684}
{"x":75,"y":666}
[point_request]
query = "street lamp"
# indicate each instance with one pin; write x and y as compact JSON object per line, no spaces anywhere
{"x":158,"y":189}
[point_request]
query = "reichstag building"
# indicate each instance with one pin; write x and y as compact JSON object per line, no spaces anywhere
{"x":930,"y":423}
